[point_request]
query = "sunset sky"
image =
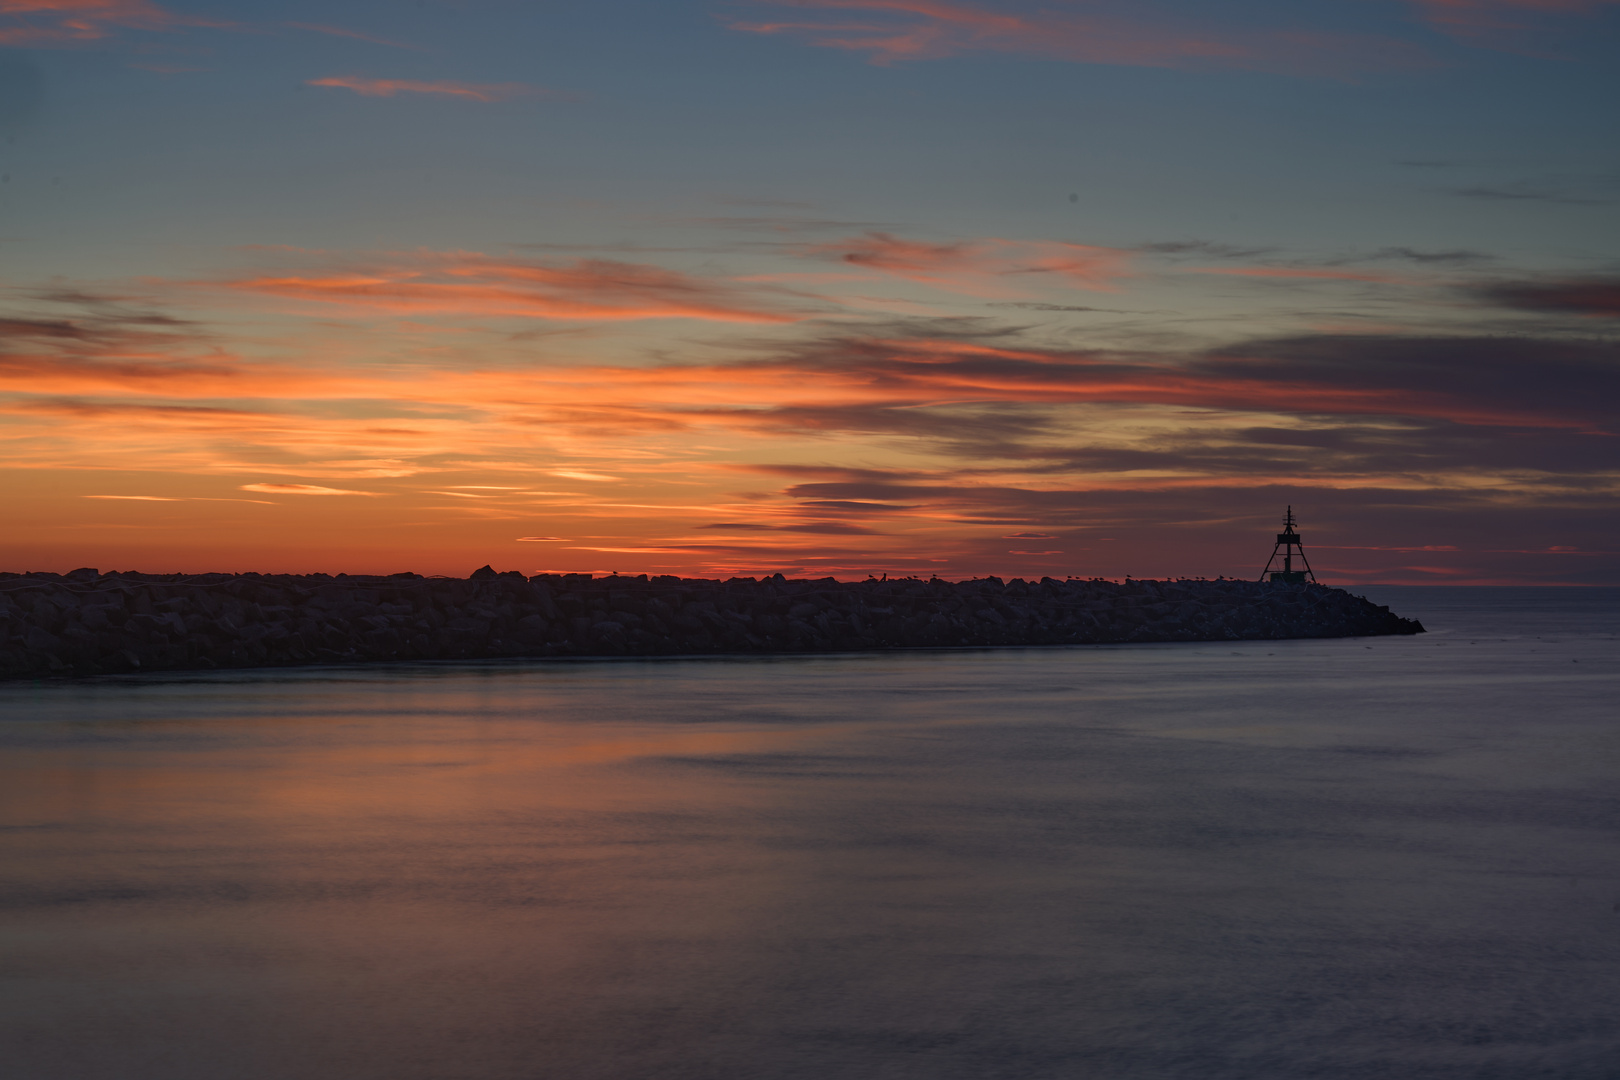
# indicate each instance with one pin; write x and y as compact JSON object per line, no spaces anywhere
{"x":825,"y":287}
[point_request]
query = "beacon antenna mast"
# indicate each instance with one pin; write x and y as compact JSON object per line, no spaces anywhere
{"x":1287,"y":545}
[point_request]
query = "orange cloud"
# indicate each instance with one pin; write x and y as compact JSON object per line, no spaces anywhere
{"x":301,"y":489}
{"x":141,"y":380}
{"x":474,"y":284}
{"x":987,"y":268}
{"x":124,"y":410}
{"x":170,"y":498}
{"x":141,"y":354}
{"x":487,"y":92}
{"x":1008,"y":432}
{"x":930,"y":29}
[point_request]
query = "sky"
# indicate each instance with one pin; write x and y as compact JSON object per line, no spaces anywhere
{"x":819,"y":287}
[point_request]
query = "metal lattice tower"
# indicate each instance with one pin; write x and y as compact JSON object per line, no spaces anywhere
{"x":1287,"y":544}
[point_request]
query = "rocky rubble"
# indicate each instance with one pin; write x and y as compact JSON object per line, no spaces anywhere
{"x":89,"y":623}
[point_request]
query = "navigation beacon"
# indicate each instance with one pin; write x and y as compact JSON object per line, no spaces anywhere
{"x":1287,"y":544}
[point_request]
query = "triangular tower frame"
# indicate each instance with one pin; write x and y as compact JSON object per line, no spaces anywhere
{"x":1287,"y":544}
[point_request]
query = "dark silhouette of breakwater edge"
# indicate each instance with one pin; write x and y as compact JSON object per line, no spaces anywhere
{"x":88,"y":623}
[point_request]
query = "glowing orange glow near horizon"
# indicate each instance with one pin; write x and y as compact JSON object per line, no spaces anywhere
{"x":646,"y":465}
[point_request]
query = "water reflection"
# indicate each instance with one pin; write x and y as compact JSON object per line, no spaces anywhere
{"x":1250,"y":861}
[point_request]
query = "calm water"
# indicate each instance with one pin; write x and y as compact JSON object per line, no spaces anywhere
{"x":1364,"y":858}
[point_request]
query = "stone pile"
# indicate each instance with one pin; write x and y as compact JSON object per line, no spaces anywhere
{"x":88,"y":623}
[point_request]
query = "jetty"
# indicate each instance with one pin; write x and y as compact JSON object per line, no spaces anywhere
{"x":88,"y":623}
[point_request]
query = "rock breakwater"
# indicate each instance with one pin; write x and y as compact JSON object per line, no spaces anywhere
{"x":88,"y":623}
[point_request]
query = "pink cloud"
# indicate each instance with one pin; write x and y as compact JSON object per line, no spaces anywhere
{"x":989,"y":267}
{"x":44,"y":22}
{"x":486,"y":92}
{"x":893,"y":30}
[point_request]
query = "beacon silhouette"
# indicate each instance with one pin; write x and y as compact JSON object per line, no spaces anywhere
{"x":1287,"y":544}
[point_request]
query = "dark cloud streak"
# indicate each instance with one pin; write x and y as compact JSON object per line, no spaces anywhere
{"x":823,"y":528}
{"x":1598,"y":297}
{"x":1433,"y":257}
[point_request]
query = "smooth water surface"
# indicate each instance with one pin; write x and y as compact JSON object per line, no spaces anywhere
{"x":1357,"y":858}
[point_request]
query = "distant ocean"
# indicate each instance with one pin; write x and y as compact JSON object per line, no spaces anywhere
{"x":1387,"y":857}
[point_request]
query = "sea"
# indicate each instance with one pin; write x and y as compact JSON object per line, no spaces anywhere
{"x":1355,"y":858}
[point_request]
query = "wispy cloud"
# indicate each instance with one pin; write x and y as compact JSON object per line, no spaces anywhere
{"x":175,"y":499}
{"x":1595,"y":297}
{"x":1005,"y":434}
{"x":1530,"y":382}
{"x":894,"y":382}
{"x":895,"y":30}
{"x":985,"y":268}
{"x":59,"y":22}
{"x":1202,"y":249}
{"x":581,"y":474}
{"x":1499,"y":22}
{"x":49,"y":22}
{"x":485,"y":92}
{"x":820,"y":528}
{"x":301,"y":489}
{"x":1456,"y":257}
{"x":1030,"y":305}
{"x":1296,"y":273}
{"x":468,"y":283}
